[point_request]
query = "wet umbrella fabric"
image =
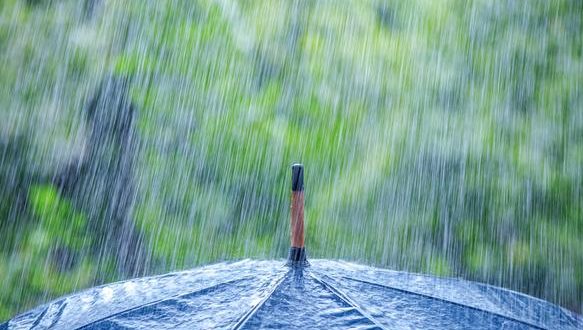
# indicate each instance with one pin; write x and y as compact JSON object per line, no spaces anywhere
{"x":266,"y":294}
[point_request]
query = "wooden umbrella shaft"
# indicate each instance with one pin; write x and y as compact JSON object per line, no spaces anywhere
{"x":297,"y":219}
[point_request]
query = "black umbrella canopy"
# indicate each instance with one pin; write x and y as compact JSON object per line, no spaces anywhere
{"x":252,"y":294}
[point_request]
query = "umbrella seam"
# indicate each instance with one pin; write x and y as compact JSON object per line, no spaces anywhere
{"x":447,"y":301}
{"x":243,"y":320}
{"x":347,"y":300}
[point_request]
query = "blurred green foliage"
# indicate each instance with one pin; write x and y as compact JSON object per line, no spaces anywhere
{"x":439,"y":136}
{"x":57,"y":218}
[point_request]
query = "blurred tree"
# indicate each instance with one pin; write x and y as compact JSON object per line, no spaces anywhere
{"x":101,"y":183}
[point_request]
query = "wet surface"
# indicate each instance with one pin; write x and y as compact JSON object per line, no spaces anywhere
{"x":253,"y":294}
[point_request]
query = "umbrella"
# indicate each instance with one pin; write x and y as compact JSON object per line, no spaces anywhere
{"x":323,"y":294}
{"x":253,"y":294}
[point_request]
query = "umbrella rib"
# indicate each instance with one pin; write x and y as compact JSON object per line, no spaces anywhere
{"x":446,"y":301}
{"x":245,"y":318}
{"x":155,"y":302}
{"x":347,"y":300}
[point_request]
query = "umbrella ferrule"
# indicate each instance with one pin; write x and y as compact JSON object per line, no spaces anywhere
{"x":297,"y":177}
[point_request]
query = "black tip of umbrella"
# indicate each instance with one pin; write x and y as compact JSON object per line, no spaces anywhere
{"x":297,"y":177}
